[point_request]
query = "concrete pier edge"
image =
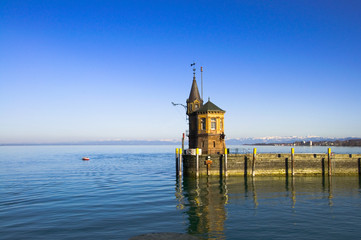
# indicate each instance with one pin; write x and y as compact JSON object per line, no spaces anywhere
{"x":288,"y":164}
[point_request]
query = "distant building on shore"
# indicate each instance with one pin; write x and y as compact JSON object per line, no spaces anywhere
{"x":206,"y":123}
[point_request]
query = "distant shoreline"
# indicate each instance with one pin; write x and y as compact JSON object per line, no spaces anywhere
{"x":337,"y":143}
{"x":348,"y":142}
{"x":125,"y":143}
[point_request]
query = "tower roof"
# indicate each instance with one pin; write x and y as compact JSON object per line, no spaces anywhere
{"x":209,"y":106}
{"x":194,"y":94}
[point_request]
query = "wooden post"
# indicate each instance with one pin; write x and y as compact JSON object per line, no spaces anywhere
{"x":293,"y":161}
{"x":254,"y":161}
{"x":176,"y":161}
{"x":225,"y":161}
{"x":329,"y":162}
{"x":180,"y":162}
{"x":197,"y":162}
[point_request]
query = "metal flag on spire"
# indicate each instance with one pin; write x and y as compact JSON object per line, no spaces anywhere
{"x":194,"y":68}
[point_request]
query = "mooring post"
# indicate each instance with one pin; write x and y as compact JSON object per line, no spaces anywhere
{"x":254,"y":162}
{"x":176,"y":161}
{"x":180,"y":162}
{"x":225,"y":162}
{"x":208,"y":163}
{"x":293,"y":161}
{"x":329,"y":162}
{"x":197,"y":162}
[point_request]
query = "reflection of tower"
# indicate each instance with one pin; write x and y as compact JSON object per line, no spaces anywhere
{"x":206,"y":201}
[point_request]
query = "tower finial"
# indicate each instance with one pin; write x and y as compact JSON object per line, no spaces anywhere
{"x":194,"y":69}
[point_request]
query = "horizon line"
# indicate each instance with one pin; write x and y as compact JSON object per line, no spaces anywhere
{"x":161,"y":141}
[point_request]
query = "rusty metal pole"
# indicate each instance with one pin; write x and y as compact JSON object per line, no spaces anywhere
{"x":183,"y":142}
{"x":176,"y":161}
{"x":208,"y":163}
{"x":180,"y":162}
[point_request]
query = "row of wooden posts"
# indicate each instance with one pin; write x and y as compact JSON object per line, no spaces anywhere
{"x":208,"y":162}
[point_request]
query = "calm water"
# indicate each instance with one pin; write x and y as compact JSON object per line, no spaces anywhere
{"x":48,"y":192}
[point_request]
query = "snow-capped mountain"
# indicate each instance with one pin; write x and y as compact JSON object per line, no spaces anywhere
{"x":278,"y":139}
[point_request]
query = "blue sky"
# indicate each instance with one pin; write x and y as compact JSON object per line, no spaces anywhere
{"x":101,"y":70}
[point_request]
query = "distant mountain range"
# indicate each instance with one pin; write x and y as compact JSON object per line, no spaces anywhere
{"x":290,"y":139}
{"x":234,"y":141}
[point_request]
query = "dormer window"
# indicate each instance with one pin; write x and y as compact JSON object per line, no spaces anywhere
{"x":196,"y":106}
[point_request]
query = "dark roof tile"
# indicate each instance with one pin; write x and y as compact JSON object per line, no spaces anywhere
{"x":209,"y":106}
{"x":194,"y":94}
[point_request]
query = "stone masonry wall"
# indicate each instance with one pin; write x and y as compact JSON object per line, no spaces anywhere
{"x":273,"y":164}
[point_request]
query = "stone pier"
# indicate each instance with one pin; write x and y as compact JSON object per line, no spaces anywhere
{"x":273,"y":164}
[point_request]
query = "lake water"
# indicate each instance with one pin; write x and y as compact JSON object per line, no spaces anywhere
{"x":48,"y":192}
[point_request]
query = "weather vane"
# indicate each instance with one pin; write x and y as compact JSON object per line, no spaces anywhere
{"x":194,"y":68}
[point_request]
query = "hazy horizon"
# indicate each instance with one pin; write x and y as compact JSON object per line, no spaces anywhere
{"x":245,"y":140}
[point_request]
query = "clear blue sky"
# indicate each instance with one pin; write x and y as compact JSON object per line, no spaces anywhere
{"x":99,"y":70}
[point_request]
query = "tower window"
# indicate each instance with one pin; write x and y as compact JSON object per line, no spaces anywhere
{"x":213,"y":124}
{"x":203,"y":124}
{"x":214,"y":144}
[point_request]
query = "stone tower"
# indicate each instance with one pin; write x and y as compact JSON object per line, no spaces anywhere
{"x":206,"y":123}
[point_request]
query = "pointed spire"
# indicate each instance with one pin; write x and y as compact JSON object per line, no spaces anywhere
{"x":194,"y":94}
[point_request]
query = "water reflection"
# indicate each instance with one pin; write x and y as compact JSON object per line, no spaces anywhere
{"x":254,"y":192}
{"x":207,"y":200}
{"x":330,"y":196}
{"x":293,"y":192}
{"x":179,"y":193}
